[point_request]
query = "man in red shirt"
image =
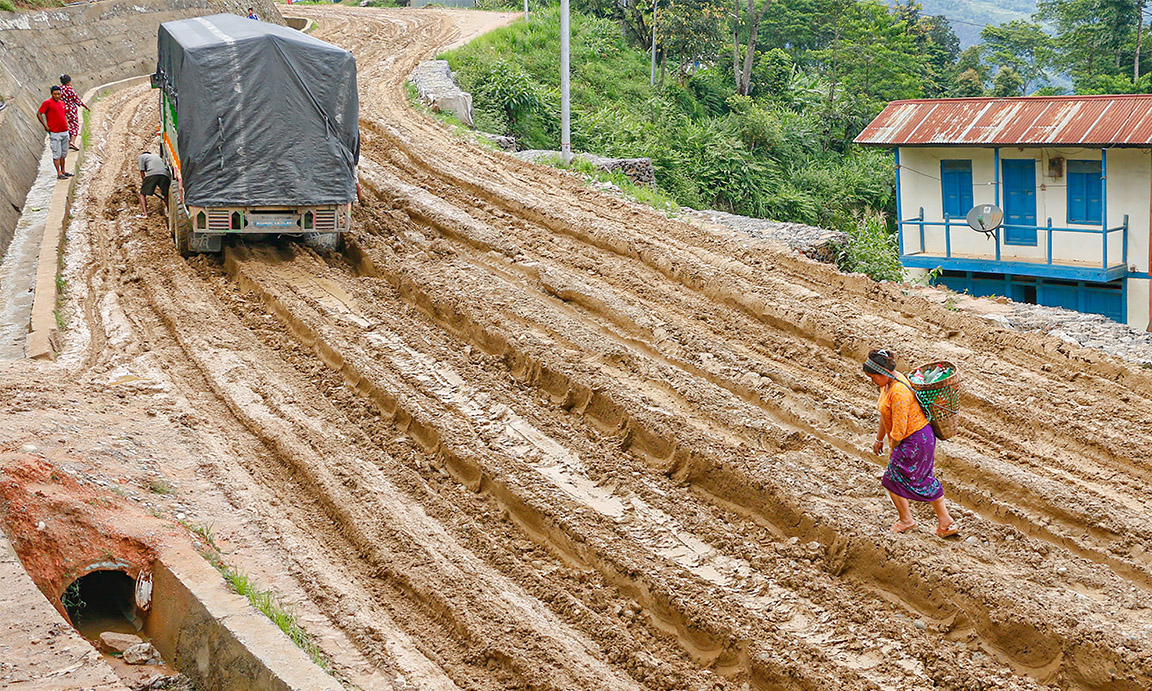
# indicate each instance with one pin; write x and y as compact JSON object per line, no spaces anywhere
{"x":55,"y":121}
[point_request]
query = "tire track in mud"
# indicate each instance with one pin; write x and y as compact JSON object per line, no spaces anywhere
{"x":276,"y":412}
{"x":415,"y":404}
{"x":771,"y":505}
{"x":394,"y":141}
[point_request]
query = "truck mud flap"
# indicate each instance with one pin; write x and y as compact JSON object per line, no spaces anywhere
{"x":205,"y":242}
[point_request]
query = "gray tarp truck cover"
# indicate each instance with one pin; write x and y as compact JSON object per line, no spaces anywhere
{"x":266,"y":115}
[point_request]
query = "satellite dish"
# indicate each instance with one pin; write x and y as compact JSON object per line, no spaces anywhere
{"x":985,"y":218}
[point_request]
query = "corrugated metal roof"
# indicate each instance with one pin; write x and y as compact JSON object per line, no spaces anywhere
{"x":1119,"y":120}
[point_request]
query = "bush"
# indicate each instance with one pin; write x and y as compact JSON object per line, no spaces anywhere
{"x":510,"y":90}
{"x":872,"y":250}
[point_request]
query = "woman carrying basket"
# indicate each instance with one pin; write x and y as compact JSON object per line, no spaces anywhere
{"x":909,"y":476}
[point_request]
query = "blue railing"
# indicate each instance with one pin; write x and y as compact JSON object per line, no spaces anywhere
{"x":949,"y":223}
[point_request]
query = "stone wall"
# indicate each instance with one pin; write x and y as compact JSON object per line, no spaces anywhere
{"x":437,"y":87}
{"x":820,"y":244}
{"x":638,"y":170}
{"x":95,"y":43}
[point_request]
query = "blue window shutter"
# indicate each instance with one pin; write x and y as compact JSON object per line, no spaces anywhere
{"x":1076,"y":208}
{"x":1092,"y":198}
{"x":1084,"y":205}
{"x":956,"y":184}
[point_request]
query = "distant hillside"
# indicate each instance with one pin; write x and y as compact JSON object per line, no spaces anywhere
{"x":970,"y":16}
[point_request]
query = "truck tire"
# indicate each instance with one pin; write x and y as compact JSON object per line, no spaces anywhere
{"x":322,"y":242}
{"x":178,"y":222}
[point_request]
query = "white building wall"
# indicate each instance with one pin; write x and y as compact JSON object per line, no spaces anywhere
{"x":1139,"y":304}
{"x":1129,"y":189}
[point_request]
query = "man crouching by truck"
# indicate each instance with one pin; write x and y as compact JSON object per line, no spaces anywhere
{"x":153,"y":180}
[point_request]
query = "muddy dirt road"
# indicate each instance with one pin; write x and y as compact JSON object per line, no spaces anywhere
{"x":518,"y":434}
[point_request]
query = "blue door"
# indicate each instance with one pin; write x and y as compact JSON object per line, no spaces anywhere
{"x":1019,"y":201}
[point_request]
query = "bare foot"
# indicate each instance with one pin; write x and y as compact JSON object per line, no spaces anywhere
{"x":902,"y":527}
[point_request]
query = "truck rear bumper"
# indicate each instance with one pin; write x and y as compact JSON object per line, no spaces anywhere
{"x":246,"y":220}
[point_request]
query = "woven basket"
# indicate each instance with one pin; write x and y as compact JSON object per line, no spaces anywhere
{"x":940,"y":400}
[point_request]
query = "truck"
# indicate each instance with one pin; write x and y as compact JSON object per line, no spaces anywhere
{"x":259,"y":127}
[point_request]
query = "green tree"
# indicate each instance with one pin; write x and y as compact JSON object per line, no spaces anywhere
{"x":689,"y":33}
{"x":1023,"y":46}
{"x":773,"y":74}
{"x":936,"y":42}
{"x":968,"y":84}
{"x":969,"y":59}
{"x":1007,"y":82}
{"x":797,"y":26}
{"x":871,"y":60}
{"x":1092,"y":36}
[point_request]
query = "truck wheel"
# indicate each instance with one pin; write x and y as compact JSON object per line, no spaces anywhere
{"x":322,"y":242}
{"x":179,"y":223}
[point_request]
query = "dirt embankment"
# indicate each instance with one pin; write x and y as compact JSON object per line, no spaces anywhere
{"x":521,"y":435}
{"x":95,"y":44}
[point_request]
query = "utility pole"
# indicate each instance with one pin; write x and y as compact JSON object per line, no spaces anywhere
{"x":526,"y":17}
{"x":652,"y":78}
{"x":565,"y":104}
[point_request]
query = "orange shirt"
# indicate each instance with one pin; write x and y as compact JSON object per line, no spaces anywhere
{"x":900,"y":411}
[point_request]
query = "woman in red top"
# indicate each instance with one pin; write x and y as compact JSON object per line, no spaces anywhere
{"x":71,"y":101}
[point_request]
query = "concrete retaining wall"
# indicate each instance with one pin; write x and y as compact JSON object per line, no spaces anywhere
{"x":216,"y":639}
{"x":95,"y":43}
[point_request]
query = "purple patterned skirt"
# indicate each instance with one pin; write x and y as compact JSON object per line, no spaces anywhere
{"x":909,"y":472}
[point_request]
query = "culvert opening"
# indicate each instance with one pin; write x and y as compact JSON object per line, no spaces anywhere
{"x":102,"y":601}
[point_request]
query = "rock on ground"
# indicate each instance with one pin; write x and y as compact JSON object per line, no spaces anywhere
{"x":437,"y":87}
{"x":502,"y":141}
{"x":141,"y":654}
{"x":117,"y":643}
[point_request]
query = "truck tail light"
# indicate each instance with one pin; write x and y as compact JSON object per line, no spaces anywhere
{"x":325,"y":220}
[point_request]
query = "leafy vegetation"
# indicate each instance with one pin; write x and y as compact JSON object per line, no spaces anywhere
{"x":754,"y":104}
{"x":71,"y":598}
{"x":17,"y":5}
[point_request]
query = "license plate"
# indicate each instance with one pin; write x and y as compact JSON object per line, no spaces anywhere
{"x":269,"y":221}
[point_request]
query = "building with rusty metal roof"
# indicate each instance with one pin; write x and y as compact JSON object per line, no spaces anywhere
{"x":1072,"y":176}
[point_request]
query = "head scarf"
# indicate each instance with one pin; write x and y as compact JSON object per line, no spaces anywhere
{"x":876,"y":367}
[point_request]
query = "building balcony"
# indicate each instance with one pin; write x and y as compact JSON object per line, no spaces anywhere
{"x":1097,"y":255}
